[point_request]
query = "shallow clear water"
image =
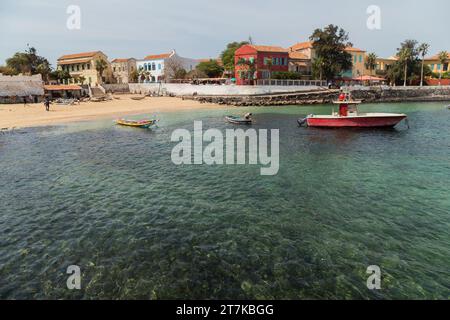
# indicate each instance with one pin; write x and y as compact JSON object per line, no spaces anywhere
{"x":109,"y":199}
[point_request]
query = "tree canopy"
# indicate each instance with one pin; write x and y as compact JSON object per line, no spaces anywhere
{"x":408,"y":67}
{"x":29,"y":63}
{"x":227,"y":55}
{"x":211,"y":68}
{"x":330,"y":44}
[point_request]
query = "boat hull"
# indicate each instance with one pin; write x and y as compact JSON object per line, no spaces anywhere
{"x":386,"y":121}
{"x":136,"y":124}
{"x":236,"y":120}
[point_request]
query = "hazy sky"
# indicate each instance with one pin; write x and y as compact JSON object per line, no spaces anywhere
{"x":201,"y":28}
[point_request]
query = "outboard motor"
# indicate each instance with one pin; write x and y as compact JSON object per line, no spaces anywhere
{"x":301,"y":121}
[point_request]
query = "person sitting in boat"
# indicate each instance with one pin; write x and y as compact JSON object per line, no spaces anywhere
{"x":248,"y":116}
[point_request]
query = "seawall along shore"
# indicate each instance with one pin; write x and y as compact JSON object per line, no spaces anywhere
{"x":371,"y":95}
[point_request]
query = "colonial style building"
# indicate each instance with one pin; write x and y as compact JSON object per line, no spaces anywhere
{"x":122,"y":69}
{"x":358,"y":59}
{"x":82,"y":68}
{"x":300,"y":63}
{"x":436,"y":65}
{"x":254,"y":62}
{"x":383,"y":64}
{"x":156,"y":68}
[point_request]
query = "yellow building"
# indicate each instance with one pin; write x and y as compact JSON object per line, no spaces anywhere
{"x":122,"y":69}
{"x":358,"y":58}
{"x":82,"y":68}
{"x":383,"y":64}
{"x":435,"y":64}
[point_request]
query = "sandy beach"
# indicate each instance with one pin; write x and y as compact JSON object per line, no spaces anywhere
{"x":33,"y":115}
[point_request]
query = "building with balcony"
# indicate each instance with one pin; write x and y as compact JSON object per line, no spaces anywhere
{"x":82,"y":68}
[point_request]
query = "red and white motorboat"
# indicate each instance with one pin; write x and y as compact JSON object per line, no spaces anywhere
{"x":349,"y":117}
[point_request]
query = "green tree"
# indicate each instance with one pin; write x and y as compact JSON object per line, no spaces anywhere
{"x":211,"y":68}
{"x":330,"y":44}
{"x":371,"y":62}
{"x":29,"y":63}
{"x":60,"y":75}
{"x":134,"y":76}
{"x":317,"y":68}
{"x":227,"y":55}
{"x":408,"y":57}
{"x":443,"y":56}
{"x":196,"y":74}
{"x":101,"y":65}
{"x":8,"y":71}
{"x":423,"y":51}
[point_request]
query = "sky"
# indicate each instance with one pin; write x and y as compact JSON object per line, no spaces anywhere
{"x":202,"y":28}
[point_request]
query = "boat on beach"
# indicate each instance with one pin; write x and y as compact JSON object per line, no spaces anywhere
{"x":136,"y":123}
{"x":239,"y":120}
{"x":348,"y":116}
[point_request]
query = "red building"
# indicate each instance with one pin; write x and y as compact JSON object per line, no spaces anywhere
{"x":259,"y":62}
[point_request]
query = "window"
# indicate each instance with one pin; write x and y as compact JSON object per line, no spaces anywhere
{"x":153,"y":66}
{"x":446,"y":67}
{"x":360,"y":58}
{"x":73,"y":68}
{"x":78,"y":67}
{"x":114,"y":69}
{"x":88,"y":66}
{"x":439,"y":67}
{"x":354,"y":58}
{"x":159,"y":66}
{"x":432,"y":67}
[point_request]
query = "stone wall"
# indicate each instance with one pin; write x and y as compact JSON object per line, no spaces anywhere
{"x":213,"y":90}
{"x":374,"y":94}
{"x":116,"y":88}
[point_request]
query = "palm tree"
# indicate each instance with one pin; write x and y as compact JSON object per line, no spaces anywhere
{"x":250,"y":68}
{"x":443,"y":57}
{"x":101,"y":65}
{"x":318,"y":65}
{"x":423,"y":50}
{"x":405,"y":55}
{"x":371,"y":62}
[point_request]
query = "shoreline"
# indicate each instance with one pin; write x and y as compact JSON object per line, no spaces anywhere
{"x":16,"y":116}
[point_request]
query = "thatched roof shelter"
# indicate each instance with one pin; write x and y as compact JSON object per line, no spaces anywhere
{"x":21,"y":86}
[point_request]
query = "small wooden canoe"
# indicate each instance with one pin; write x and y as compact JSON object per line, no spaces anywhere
{"x":238,"y":120}
{"x":136,"y":124}
{"x":138,"y":98}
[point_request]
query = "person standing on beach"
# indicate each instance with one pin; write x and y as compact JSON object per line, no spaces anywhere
{"x":47,"y":103}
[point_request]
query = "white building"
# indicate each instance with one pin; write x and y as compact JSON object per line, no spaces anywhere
{"x":153,"y":67}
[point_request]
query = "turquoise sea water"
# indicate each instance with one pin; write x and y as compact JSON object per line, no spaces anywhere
{"x":109,"y":200}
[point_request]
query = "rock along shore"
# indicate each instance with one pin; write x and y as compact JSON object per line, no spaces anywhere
{"x":370,"y":95}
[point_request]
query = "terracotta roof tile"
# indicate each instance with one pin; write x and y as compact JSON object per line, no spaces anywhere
{"x":158,"y":56}
{"x":302,"y":46}
{"x":352,"y":49}
{"x":269,"y":48}
{"x":436,"y":57}
{"x":79,"y":55}
{"x":297,"y":56}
